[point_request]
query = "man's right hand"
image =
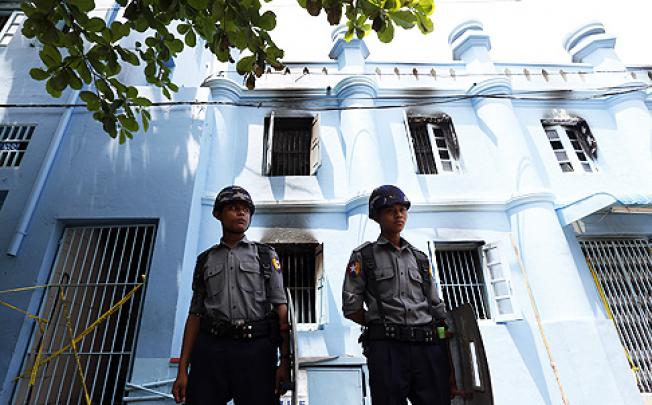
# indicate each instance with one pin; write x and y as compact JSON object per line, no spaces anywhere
{"x":179,"y":387}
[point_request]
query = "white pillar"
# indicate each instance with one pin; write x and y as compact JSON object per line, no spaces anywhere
{"x":357,"y":95}
{"x":591,"y":44}
{"x":223,"y":148}
{"x":568,"y":318}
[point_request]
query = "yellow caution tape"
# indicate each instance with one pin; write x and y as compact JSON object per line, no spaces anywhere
{"x":39,"y":363}
{"x":30,"y":316}
{"x":39,"y":354}
{"x":80,"y":372}
{"x":34,"y":287}
{"x":605,"y":303}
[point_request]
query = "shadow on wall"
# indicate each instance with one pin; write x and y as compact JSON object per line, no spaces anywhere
{"x":524,"y":341}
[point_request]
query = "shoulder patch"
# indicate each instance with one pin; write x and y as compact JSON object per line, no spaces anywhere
{"x":276,"y":263}
{"x":354,"y":268}
{"x":359,"y":248}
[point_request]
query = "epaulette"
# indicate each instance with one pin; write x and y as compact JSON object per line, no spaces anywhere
{"x":205,"y":252}
{"x":359,"y":248}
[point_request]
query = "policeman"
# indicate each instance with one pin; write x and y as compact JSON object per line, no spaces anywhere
{"x":238,"y":317}
{"x":406,"y":356}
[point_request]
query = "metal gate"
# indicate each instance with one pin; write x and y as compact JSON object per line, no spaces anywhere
{"x":622,"y":269}
{"x":95,"y":267}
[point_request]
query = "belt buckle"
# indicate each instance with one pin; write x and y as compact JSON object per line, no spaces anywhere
{"x":412,"y":334}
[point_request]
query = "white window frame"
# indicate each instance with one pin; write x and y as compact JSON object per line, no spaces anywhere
{"x":570,"y":151}
{"x":320,"y":291}
{"x":11,"y":28}
{"x":430,"y":127}
{"x":497,"y":274}
{"x":315,"y":144}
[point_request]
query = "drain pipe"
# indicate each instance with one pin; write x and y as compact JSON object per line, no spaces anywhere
{"x":48,"y":162}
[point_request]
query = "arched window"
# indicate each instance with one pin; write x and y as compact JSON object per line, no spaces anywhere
{"x":433,"y":144}
{"x":572,"y":143}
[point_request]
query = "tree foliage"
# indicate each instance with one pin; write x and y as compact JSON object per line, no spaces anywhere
{"x":80,"y":48}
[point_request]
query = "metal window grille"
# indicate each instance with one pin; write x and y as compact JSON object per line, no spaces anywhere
{"x":423,"y":149}
{"x":570,"y":152}
{"x":13,"y":143}
{"x":291,"y":146}
{"x":431,"y":147}
{"x":298,"y":264}
{"x":96,"y":266}
{"x":461,"y":277}
{"x":623,"y":269}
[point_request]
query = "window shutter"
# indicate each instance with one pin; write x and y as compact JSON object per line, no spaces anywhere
{"x":11,"y":27}
{"x":451,"y":137}
{"x":585,"y":136}
{"x":410,"y":142}
{"x":321,"y":308}
{"x":315,"y":149}
{"x":497,"y":273}
{"x":268,"y":146}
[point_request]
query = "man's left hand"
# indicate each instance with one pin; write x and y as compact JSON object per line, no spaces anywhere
{"x":282,"y":376}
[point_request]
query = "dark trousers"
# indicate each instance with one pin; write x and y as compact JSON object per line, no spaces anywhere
{"x":225,"y":369}
{"x":416,"y":371}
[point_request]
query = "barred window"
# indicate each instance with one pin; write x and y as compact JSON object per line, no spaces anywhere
{"x":13,"y":143}
{"x":476,"y":273}
{"x":573,"y":144}
{"x":303,"y":276}
{"x":433,"y":144}
{"x":291,"y":146}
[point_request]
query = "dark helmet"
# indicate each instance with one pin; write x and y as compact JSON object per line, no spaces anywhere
{"x":386,"y":196}
{"x":231,"y":194}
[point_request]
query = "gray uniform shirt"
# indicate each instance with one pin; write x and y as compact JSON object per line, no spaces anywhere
{"x":399,"y":287}
{"x":230,"y":285}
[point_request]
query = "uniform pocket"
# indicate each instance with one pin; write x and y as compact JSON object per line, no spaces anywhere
{"x":214,"y":279}
{"x":416,"y":281}
{"x":249,"y":277}
{"x":386,"y":280}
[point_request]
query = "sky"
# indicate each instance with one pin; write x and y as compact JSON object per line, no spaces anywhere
{"x":529,"y":31}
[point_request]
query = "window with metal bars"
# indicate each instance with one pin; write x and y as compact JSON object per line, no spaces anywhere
{"x":291,"y":146}
{"x":461,"y":278}
{"x":95,"y":267}
{"x":573,"y":145}
{"x":13,"y":143}
{"x":433,"y":144}
{"x":301,"y":264}
{"x":622,"y":271}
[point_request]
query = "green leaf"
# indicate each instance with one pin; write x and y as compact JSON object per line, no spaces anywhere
{"x":91,"y":99}
{"x":38,"y":74}
{"x":74,"y":80}
{"x":51,"y":90}
{"x":60,"y":80}
{"x":427,"y":7}
{"x":84,"y":5}
{"x":50,"y":55}
{"x":183,"y":28}
{"x":245,"y":64}
{"x":267,"y":21}
{"x":425,"y":24}
{"x":387,"y":33}
{"x":129,"y":123}
{"x":198,"y":4}
{"x":84,"y":73}
{"x":103,"y":87}
{"x":95,"y":24}
{"x":402,"y":18}
{"x":175,"y":45}
{"x":191,"y":39}
{"x":132,"y":92}
{"x":142,"y":101}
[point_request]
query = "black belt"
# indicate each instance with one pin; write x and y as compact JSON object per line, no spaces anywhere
{"x":238,"y":330}
{"x":403,"y":333}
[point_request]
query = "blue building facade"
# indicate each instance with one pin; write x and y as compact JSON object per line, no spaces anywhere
{"x":529,"y":186}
